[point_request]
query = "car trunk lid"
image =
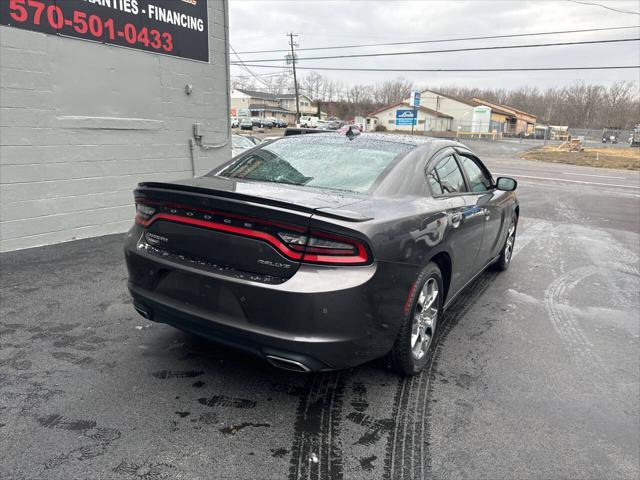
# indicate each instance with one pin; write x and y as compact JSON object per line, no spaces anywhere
{"x":241,"y":226}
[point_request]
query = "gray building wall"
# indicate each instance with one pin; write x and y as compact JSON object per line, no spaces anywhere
{"x":82,"y":123}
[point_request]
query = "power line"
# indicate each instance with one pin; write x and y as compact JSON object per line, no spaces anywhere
{"x":399,"y":70}
{"x":272,"y":74}
{"x":452,"y":50}
{"x":459,"y":39}
{"x":242,"y":64}
{"x":604,"y":6}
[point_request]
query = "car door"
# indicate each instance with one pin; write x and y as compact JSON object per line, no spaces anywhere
{"x":465,"y":227}
{"x":490,"y":204}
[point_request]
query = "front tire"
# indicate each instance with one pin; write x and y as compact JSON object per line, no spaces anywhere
{"x":504,"y":260}
{"x":415,"y":342}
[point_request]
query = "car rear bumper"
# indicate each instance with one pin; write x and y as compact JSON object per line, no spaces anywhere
{"x":323,"y":318}
{"x":312,"y":354}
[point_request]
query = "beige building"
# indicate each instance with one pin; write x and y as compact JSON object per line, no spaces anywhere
{"x":512,"y":120}
{"x":251,"y":103}
{"x":288,"y":101}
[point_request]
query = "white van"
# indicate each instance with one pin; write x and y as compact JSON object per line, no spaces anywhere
{"x":309,"y":122}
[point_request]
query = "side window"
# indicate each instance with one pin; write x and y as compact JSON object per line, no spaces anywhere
{"x":479,"y":181}
{"x":434,"y":183}
{"x":446,"y":177}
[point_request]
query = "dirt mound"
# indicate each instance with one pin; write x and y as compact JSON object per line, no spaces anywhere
{"x":622,"y":158}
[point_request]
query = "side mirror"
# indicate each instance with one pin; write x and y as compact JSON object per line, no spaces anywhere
{"x":506,"y":183}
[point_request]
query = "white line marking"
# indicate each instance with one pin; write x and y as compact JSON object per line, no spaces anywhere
{"x":589,"y":175}
{"x":556,"y":179}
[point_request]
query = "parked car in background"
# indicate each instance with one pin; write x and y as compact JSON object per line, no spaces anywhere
{"x":334,"y":124}
{"x":308,"y":122}
{"x":261,"y":122}
{"x":246,"y":124}
{"x":234,"y":122}
{"x":322,"y":125}
{"x":277,"y":122}
{"x":319,"y":252}
{"x":609,"y":136}
{"x":634,"y":139}
{"x":240,"y":143}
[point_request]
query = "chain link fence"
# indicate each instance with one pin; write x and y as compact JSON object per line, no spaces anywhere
{"x":591,"y":136}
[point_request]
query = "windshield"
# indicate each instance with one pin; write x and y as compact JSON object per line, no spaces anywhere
{"x":240,"y":142}
{"x":333,"y":162}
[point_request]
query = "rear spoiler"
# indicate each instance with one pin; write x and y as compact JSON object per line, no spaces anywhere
{"x":167,"y":188}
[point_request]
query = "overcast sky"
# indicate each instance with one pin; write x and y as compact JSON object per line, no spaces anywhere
{"x":263,"y":24}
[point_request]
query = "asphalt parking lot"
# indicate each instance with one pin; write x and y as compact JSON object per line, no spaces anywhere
{"x":536,"y":372}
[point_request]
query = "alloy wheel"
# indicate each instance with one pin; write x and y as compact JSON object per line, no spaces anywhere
{"x":425,"y":318}
{"x":508,"y":248}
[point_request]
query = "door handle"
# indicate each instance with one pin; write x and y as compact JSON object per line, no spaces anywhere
{"x":456,"y":219}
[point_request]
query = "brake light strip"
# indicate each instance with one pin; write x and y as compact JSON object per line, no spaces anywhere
{"x":224,"y":228}
{"x":360,"y":258}
{"x":294,"y":228}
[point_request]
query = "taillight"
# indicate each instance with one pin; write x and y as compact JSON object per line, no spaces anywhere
{"x":327,"y":248}
{"x":144,"y":212}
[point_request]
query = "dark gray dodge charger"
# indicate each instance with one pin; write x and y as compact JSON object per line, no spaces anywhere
{"x":321,"y":252}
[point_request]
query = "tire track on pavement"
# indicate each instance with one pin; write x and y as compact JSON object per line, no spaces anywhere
{"x":407,"y":455}
{"x":564,"y":322}
{"x":411,"y":401}
{"x":603,"y":255}
{"x":316,"y":453}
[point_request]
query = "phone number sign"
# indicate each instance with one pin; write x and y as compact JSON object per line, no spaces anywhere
{"x":172,"y":27}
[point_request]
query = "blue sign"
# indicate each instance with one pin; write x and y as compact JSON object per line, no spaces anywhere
{"x":415,"y":99}
{"x":405,"y":117}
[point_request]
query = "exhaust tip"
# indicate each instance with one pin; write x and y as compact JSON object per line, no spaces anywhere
{"x":287,"y":364}
{"x":143,"y":311}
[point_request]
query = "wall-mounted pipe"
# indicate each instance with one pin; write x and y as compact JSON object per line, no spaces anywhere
{"x":198,"y":140}
{"x":193,"y":161}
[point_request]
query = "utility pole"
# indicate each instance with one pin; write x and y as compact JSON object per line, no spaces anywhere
{"x":413,"y":120}
{"x":295,"y":79}
{"x":437,"y":111}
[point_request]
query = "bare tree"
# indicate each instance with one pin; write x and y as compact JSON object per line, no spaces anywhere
{"x":243,"y":83}
{"x":579,"y":105}
{"x":618,"y":103}
{"x":311,"y":84}
{"x":391,"y":91}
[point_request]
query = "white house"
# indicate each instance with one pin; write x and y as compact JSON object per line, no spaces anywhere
{"x":460,"y":111}
{"x":428,"y":120}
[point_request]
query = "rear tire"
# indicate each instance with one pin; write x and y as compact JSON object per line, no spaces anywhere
{"x":414,"y":344}
{"x":504,"y":260}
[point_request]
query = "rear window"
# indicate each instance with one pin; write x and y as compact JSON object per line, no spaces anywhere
{"x":333,"y":162}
